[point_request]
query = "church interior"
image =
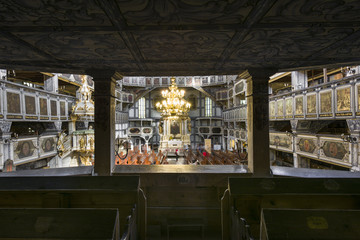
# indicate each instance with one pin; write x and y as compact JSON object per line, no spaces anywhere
{"x":179,"y":119}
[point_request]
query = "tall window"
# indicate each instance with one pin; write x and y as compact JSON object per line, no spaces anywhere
{"x":208,"y":107}
{"x":142,"y":108}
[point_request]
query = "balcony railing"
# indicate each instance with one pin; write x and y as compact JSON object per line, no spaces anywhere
{"x":19,"y":103}
{"x":189,"y":81}
{"x":332,"y":149}
{"x":333,"y":100}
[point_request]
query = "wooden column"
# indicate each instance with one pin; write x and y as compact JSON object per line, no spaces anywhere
{"x":258,"y":121}
{"x":104,"y":121}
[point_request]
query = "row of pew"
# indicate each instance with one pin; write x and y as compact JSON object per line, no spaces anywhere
{"x":135,"y":157}
{"x":215,"y":158}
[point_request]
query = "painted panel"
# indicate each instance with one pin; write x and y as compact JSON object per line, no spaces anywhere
{"x":43,"y":106}
{"x":53,"y":107}
{"x":30,"y":105}
{"x":326,"y":102}
{"x":289,"y":106}
{"x":299,"y":105}
{"x":343,"y":99}
{"x":48,"y":145}
{"x":239,"y":87}
{"x":13,"y":102}
{"x":311,"y":104}
{"x":307,"y":145}
{"x":134,"y":130}
{"x":25,"y":150}
{"x":280,"y":108}
{"x":147,"y":130}
{"x":188,"y":80}
{"x":272,"y":108}
{"x":175,"y":127}
{"x":281,"y":141}
{"x":334,"y":149}
{"x":62,"y":109}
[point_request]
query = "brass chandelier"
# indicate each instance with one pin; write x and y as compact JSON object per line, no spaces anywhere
{"x":173,"y":105}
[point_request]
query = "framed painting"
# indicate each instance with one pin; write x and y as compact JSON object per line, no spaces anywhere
{"x":62,"y":109}
{"x":53,"y":107}
{"x":280,"y":108}
{"x":311,"y":104}
{"x":30,"y":105}
{"x":13,"y":102}
{"x":326,"y":102}
{"x":43,"y":106}
{"x":272,"y":108}
{"x":299,"y":105}
{"x":288,"y":106}
{"x":343,"y":99}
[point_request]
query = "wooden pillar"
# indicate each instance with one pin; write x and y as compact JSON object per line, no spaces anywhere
{"x":104,"y":121}
{"x":258,"y":121}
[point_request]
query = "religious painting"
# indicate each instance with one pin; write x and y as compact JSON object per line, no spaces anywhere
{"x":204,"y":130}
{"x":134,"y":130}
{"x":220,"y":78}
{"x":148,"y":81}
{"x":164,"y":81}
{"x":325,"y":102}
{"x":156,"y":81}
{"x":30,"y":105}
{"x":299,"y":105}
{"x":358,"y":97}
{"x":124,"y":97}
{"x":197,"y":81}
{"x":212,"y":79}
{"x":334,"y":150}
{"x":181,"y":81}
{"x":307,"y":145}
{"x":239,"y":87}
{"x":62,"y":109}
{"x":188,"y":80}
{"x":13,"y":102}
{"x":311,"y":104}
{"x":48,"y":145}
{"x":130,"y":97}
{"x":134,"y":80}
{"x":147,"y":130}
{"x":204,"y":80}
{"x":126,"y":80}
{"x":280,"y":108}
{"x":280,"y":140}
{"x":272,"y":108}
{"x":53,"y":108}
{"x":343,"y":99}
{"x":43,"y":106}
{"x":25,"y":149}
{"x":175,"y":127}
{"x":142,"y":81}
{"x":289,"y":106}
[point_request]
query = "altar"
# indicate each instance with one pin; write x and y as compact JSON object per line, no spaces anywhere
{"x":175,"y":125}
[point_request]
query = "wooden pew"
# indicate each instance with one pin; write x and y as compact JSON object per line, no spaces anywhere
{"x":249,"y":195}
{"x":120,"y":192}
{"x":59,"y":223}
{"x":298,"y":224}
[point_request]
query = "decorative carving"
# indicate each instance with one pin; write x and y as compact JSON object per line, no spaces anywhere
{"x":5,"y":126}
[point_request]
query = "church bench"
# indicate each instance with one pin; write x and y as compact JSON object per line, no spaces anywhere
{"x":120,"y":192}
{"x":298,"y":224}
{"x":59,"y":223}
{"x":249,"y":195}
